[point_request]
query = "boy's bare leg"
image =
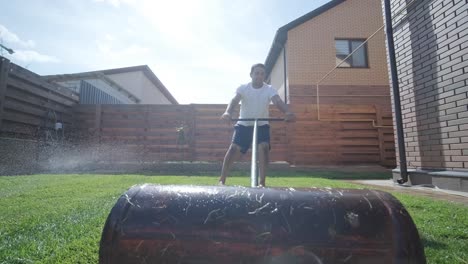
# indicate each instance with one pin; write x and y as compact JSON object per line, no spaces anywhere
{"x":232,"y":154}
{"x":263,"y":160}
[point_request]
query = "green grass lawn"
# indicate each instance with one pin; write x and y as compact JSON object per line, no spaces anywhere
{"x":59,"y":218}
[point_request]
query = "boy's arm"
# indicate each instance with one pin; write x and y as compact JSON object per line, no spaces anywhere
{"x":232,"y":104}
{"x":290,"y":116}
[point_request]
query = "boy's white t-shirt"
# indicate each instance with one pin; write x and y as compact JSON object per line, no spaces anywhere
{"x":255,"y":103}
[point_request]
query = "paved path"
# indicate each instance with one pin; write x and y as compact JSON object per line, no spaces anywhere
{"x":435,"y":193}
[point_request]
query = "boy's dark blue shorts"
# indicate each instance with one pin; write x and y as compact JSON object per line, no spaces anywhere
{"x":243,"y":136}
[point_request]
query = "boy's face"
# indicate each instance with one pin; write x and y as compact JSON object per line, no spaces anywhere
{"x":258,"y":75}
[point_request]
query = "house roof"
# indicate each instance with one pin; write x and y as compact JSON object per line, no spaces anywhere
{"x":92,"y":75}
{"x":149,"y":74}
{"x":143,"y":68}
{"x":282,"y":33}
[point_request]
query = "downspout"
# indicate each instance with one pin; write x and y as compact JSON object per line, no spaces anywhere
{"x":285,"y":76}
{"x":396,"y":93}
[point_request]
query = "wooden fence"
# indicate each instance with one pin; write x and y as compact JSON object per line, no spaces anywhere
{"x":29,"y":104}
{"x":355,"y":139}
{"x":29,"y":110}
{"x":148,"y":133}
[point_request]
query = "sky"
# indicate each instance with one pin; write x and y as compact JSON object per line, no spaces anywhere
{"x":201,"y":50}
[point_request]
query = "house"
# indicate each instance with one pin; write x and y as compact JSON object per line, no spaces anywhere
{"x":344,"y":109}
{"x":431,"y":50}
{"x":130,"y":85}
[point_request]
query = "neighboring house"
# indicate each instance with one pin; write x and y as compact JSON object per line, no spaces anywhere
{"x":307,"y":48}
{"x":349,"y":122}
{"x":130,"y":85}
{"x":431,"y":49}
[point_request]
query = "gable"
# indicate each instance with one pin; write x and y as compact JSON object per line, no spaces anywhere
{"x":281,"y":35}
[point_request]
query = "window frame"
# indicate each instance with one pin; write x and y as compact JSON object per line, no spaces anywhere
{"x":350,"y":48}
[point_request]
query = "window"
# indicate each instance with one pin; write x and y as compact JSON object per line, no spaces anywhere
{"x":344,"y":47}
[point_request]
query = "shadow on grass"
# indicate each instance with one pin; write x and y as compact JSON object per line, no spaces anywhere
{"x":430,"y":243}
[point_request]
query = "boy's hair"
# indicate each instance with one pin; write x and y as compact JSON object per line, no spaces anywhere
{"x":260,"y":65}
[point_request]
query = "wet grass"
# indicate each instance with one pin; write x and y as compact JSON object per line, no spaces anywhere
{"x":59,"y":218}
{"x":443,"y":227}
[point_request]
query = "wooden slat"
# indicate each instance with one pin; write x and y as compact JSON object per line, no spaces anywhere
{"x":340,"y":100}
{"x":28,"y":98}
{"x":36,"y":80}
{"x":33,"y":110}
{"x":22,"y":118}
{"x":18,"y":128}
{"x":26,"y":87}
{"x":141,"y":141}
{"x":340,"y":90}
{"x":152,"y":109}
{"x":156,"y":135}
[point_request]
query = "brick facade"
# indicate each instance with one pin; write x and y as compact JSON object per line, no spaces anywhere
{"x":347,"y":119}
{"x":311,"y":46}
{"x":431,"y":40}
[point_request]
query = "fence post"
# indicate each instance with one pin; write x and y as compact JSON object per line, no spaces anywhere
{"x":193,"y":130}
{"x":97,"y":124}
{"x":4,"y":67}
{"x":381,"y":138}
{"x":290,"y":151}
{"x":143,"y":154}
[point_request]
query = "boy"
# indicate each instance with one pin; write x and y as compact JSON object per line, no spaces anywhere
{"x":255,"y":97}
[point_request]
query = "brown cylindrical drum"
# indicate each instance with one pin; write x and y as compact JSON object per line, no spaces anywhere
{"x":218,"y":224}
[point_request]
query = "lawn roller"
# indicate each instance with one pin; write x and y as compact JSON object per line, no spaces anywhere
{"x":227,"y":224}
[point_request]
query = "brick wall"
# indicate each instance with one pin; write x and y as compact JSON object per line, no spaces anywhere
{"x":431,"y":41}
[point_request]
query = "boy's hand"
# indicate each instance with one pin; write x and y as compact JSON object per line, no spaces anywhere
{"x":226,"y":117}
{"x":290,"y":117}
